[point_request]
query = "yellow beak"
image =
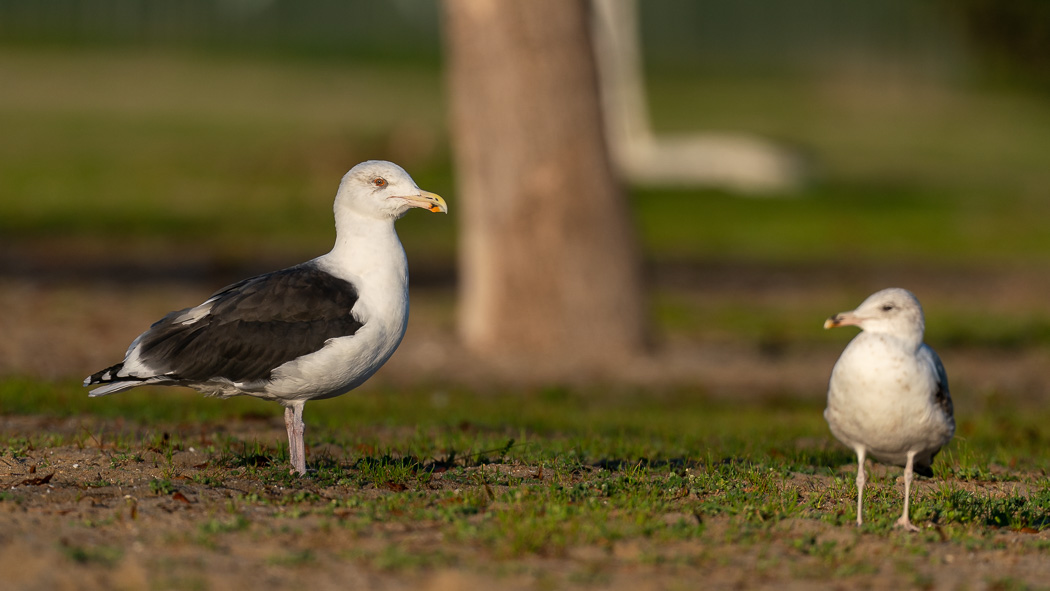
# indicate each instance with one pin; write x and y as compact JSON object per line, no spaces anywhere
{"x":427,"y":200}
{"x":841,"y":319}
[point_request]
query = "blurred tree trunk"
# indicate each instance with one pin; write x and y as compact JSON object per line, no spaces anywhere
{"x":549,"y":267}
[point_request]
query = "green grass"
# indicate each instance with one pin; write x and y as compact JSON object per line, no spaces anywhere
{"x":457,"y":425}
{"x":397,"y":436}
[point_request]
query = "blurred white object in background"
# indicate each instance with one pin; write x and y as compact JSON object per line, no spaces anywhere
{"x":737,"y":161}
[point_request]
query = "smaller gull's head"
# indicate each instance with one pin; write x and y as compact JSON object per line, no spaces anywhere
{"x":892,"y":311}
{"x":381,"y":189}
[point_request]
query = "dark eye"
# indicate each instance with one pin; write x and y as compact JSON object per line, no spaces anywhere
{"x":379,"y":182}
{"x":887,"y":307}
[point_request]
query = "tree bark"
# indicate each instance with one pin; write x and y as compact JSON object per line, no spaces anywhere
{"x":549,"y":265}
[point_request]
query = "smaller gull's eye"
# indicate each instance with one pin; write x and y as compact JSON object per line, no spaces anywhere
{"x":379,"y":182}
{"x":887,"y":307}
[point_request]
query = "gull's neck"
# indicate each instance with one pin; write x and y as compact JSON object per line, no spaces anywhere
{"x":909,"y":340}
{"x":366,"y":247}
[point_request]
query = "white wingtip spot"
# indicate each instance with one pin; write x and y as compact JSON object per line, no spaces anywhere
{"x":195,"y":314}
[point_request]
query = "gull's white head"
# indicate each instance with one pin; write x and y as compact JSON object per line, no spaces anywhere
{"x":381,"y":189}
{"x":893,"y":311}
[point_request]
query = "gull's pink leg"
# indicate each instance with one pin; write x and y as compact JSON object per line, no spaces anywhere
{"x":909,"y":470}
{"x":293,"y":421}
{"x":861,"y":453}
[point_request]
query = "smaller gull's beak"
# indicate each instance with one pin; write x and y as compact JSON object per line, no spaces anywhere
{"x":427,"y":200}
{"x":842,"y":319}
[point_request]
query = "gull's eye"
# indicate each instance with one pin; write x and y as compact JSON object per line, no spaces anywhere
{"x":379,"y":182}
{"x":887,"y":307}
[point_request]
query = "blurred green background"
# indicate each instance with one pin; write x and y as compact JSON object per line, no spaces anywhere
{"x":217,"y":120}
{"x":219,"y":129}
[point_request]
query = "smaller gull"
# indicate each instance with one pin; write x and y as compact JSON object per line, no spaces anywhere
{"x":888,"y":394}
{"x":312,"y":331}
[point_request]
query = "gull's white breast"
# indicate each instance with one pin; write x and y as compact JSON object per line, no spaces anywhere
{"x":881,"y":396}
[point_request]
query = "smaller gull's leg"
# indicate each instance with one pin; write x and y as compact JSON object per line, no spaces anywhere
{"x":293,"y":421}
{"x":861,"y":453}
{"x":909,"y":469}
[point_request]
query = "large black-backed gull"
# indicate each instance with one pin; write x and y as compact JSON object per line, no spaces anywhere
{"x":315,"y":330}
{"x":888,"y":394}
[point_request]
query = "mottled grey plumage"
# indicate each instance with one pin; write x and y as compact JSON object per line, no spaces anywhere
{"x":888,"y":394}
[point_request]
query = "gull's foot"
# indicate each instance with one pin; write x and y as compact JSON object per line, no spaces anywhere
{"x":905,"y":524}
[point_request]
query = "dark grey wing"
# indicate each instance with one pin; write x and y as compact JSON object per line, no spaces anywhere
{"x":942,"y":397}
{"x":253,"y":327}
{"x":942,"y":400}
